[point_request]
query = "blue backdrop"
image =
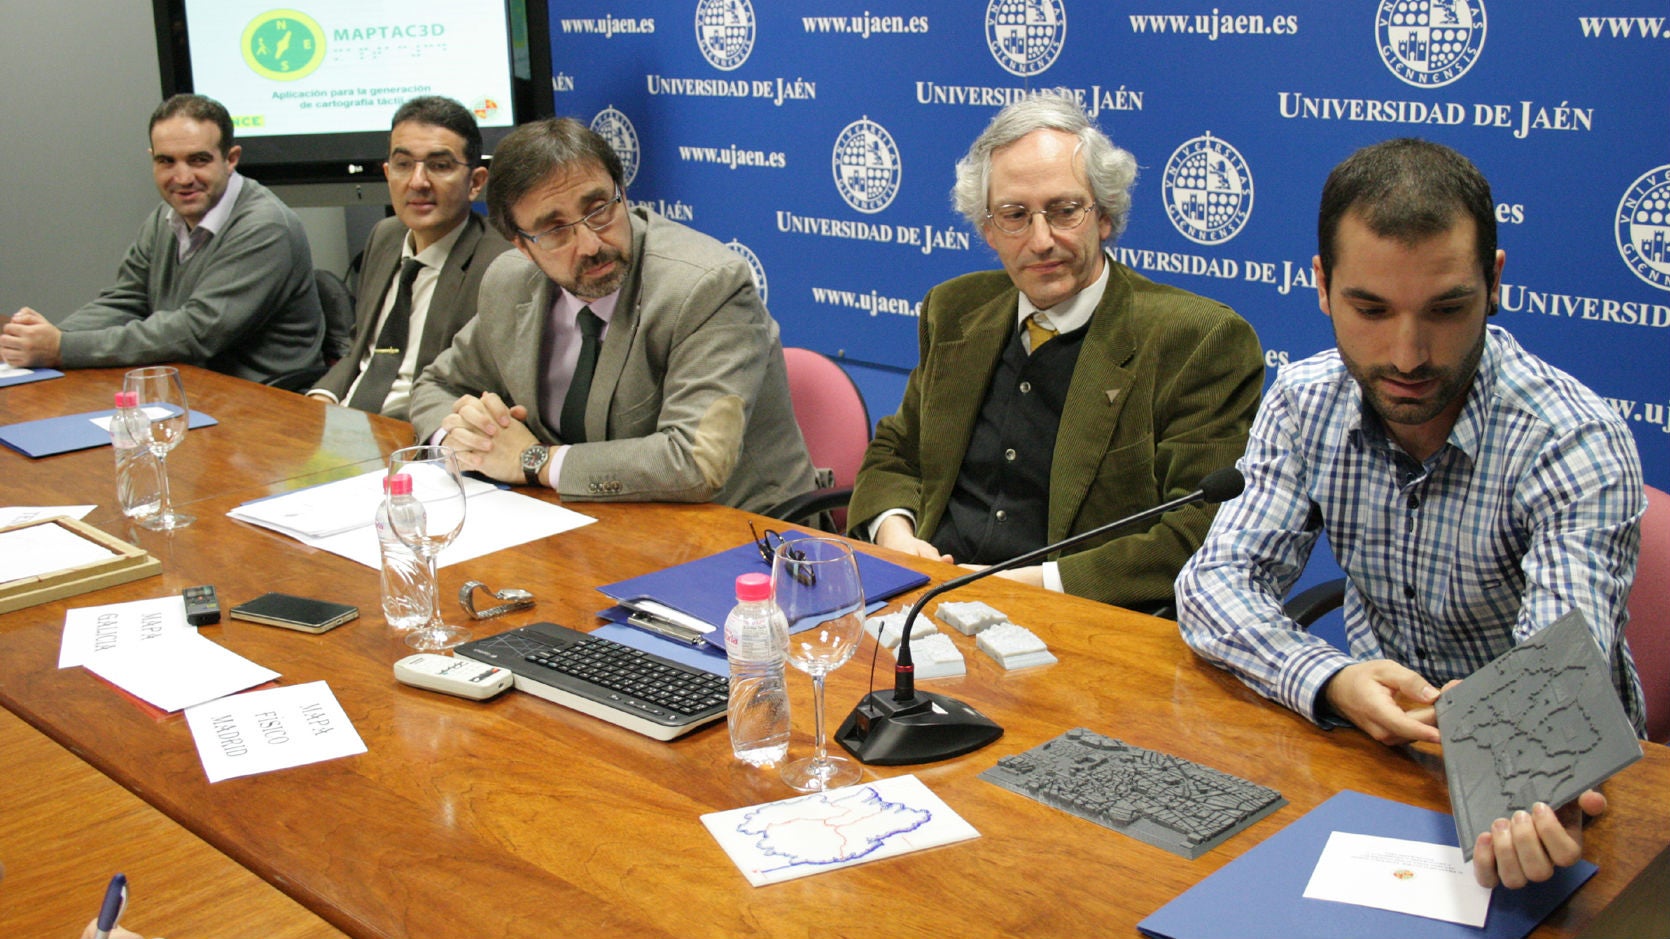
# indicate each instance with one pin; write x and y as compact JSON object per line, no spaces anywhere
{"x":818,"y":139}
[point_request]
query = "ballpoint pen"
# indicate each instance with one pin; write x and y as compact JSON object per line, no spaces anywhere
{"x":115,"y":900}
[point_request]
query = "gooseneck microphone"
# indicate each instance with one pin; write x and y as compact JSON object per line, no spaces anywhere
{"x":908,"y":727}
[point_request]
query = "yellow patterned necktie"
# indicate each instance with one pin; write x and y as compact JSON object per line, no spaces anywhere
{"x":1038,"y":331}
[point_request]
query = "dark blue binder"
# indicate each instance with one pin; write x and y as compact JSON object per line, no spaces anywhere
{"x":706,"y":587}
{"x":1261,"y":894}
{"x":37,"y":374}
{"x":50,"y":436}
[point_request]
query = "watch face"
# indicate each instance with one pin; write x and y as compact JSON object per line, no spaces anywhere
{"x":533,"y":460}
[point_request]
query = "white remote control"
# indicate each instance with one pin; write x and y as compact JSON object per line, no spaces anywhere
{"x":451,"y":675}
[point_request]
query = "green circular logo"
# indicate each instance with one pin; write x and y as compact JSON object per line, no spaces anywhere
{"x":283,"y":45}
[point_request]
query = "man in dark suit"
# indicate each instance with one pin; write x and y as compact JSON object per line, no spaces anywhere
{"x":423,"y":267}
{"x":1065,"y":391}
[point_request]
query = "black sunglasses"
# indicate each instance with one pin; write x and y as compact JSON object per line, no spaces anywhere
{"x":768,"y":545}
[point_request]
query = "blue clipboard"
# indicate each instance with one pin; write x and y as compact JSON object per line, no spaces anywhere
{"x":51,"y":436}
{"x":1261,"y":893}
{"x":35,"y":374}
{"x":706,"y":587}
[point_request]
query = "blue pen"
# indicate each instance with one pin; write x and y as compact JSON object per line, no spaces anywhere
{"x":115,"y":900}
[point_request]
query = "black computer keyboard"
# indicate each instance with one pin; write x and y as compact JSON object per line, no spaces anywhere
{"x":645,"y":693}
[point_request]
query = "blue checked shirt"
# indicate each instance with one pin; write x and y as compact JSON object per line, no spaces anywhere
{"x":1531,"y":508}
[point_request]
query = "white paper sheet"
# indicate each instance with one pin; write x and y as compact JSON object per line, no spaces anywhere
{"x":494,"y":521}
{"x":330,"y":508}
{"x":178,"y":671}
{"x":154,"y":412}
{"x":18,"y":514}
{"x":272,"y":729}
{"x":1414,"y":877}
{"x":43,"y":549}
{"x":826,"y":831}
{"x":89,"y":630}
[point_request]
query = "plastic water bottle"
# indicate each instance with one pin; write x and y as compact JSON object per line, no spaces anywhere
{"x":757,"y":645}
{"x":138,"y":485}
{"x":408,"y":596}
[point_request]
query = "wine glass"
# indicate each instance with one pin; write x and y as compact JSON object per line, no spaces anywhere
{"x":815,"y":584}
{"x":427,"y":521}
{"x":162,"y":398}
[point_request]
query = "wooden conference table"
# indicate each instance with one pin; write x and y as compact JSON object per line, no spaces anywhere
{"x":516,"y":817}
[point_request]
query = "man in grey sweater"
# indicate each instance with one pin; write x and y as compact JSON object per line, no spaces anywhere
{"x":220,"y":275}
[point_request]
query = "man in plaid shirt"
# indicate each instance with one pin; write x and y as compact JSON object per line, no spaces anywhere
{"x":1471,"y":493}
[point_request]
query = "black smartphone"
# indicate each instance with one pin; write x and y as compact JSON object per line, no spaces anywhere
{"x":307,"y":615}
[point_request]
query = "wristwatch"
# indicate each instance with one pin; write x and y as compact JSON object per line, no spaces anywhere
{"x":534,"y":459}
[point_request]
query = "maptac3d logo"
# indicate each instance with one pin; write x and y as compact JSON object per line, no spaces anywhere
{"x":283,"y":45}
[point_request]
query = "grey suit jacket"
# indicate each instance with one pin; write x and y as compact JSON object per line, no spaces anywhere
{"x":690,"y":399}
{"x":1164,"y":392}
{"x":452,"y":304}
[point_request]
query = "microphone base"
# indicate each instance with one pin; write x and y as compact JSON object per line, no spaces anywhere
{"x":884,"y":732}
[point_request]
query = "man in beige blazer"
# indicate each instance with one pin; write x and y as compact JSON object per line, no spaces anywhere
{"x":676,"y":391}
{"x":1063,"y":392}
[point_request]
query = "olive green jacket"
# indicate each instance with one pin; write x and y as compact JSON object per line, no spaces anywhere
{"x":1164,"y":392}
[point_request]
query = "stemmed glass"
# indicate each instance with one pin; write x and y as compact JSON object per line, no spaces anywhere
{"x":159,"y":389}
{"x":815,"y":581}
{"x":427,"y":522}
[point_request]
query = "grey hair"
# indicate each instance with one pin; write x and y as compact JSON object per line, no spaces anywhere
{"x":1110,"y":170}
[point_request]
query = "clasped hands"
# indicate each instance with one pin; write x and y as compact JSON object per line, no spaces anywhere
{"x":1526,"y":848}
{"x":28,"y":340}
{"x":489,"y":436}
{"x":899,"y":533}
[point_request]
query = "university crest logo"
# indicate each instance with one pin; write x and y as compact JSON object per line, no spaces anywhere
{"x":755,"y":268}
{"x":1643,"y":227}
{"x":1208,"y":190}
{"x":725,"y":32}
{"x":1429,"y":43}
{"x":1025,"y":36}
{"x":614,"y":127}
{"x":867,"y":166}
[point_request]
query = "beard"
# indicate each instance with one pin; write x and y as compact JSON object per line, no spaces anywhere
{"x":591,"y":288}
{"x":1452,"y":384}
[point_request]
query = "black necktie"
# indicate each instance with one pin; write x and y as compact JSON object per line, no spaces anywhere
{"x":379,"y":376}
{"x":573,"y":426}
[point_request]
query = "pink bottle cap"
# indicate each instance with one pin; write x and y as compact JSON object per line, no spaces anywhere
{"x":127,"y":399}
{"x":399,"y":484}
{"x":751,"y":587}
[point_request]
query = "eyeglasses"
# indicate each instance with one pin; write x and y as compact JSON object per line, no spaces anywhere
{"x":769,"y":546}
{"x":558,"y":237}
{"x":1062,"y":216}
{"x":401,"y":166}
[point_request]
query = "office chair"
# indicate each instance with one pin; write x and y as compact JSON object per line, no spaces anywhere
{"x":1648,"y":631}
{"x":830,"y":411}
{"x":338,"y":305}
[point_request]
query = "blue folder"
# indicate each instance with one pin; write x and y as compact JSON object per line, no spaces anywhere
{"x":706,"y":587}
{"x":1261,"y":894}
{"x":38,"y":374}
{"x":54,"y":435}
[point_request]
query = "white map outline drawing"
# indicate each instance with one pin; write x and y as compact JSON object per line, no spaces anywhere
{"x":825,"y":831}
{"x":830,"y":823}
